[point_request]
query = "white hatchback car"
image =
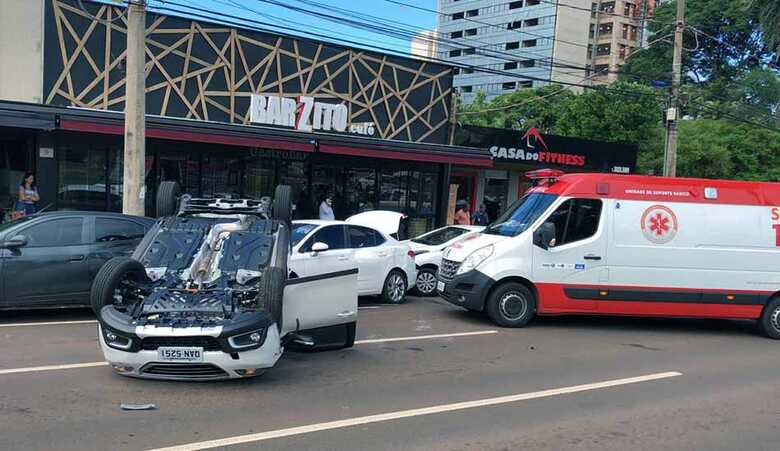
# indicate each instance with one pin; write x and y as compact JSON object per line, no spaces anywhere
{"x":385,"y":266}
{"x":428,"y":249}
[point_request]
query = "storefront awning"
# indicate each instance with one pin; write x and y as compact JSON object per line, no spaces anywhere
{"x":26,"y":119}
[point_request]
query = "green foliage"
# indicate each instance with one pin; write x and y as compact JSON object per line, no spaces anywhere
{"x":721,"y":149}
{"x":519,"y":109}
{"x":768,"y":12}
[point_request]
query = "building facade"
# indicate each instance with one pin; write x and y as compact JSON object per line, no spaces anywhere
{"x":617,"y":29}
{"x":424,"y":45}
{"x":520,"y":43}
{"x":229,"y":111}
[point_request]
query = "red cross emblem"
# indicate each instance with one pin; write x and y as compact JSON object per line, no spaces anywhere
{"x":659,"y":224}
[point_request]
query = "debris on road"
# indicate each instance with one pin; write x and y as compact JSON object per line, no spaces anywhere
{"x":138,"y":406}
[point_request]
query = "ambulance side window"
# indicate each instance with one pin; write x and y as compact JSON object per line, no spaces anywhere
{"x":575,"y":220}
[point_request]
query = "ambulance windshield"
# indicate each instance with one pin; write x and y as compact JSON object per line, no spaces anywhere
{"x":521,"y":214}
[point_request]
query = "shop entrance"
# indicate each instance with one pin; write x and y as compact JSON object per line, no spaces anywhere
{"x":15,"y":159}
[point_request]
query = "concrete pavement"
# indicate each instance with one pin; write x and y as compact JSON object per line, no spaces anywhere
{"x":728,"y":396}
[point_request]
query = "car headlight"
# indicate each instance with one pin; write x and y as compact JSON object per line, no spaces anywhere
{"x":248,"y":340}
{"x":476,"y":257}
{"x":115,"y":340}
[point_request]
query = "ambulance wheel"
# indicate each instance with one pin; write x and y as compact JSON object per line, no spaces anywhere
{"x":770,"y":319}
{"x":511,"y":305}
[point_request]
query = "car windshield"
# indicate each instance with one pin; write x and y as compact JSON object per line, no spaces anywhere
{"x":439,"y":236}
{"x":519,"y":216}
{"x":299,"y":231}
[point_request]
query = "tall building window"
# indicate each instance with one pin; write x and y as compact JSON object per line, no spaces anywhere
{"x":531,"y":22}
{"x":469,"y":51}
{"x":454,"y":53}
{"x":465,"y":89}
{"x":514,"y":25}
{"x":529,"y":43}
{"x":515,"y":5}
{"x":457,"y":16}
{"x":512,"y":45}
{"x":456,"y":34}
{"x":508,"y":85}
{"x":525,"y":84}
{"x":527,"y":63}
{"x":532,"y":2}
{"x":472,"y":13}
{"x":471,"y":32}
{"x":510,"y":66}
{"x":603,"y":49}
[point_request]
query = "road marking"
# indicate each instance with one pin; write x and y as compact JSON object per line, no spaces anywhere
{"x":35,"y":369}
{"x":369,"y":307}
{"x":390,"y":416}
{"x":425,"y":337}
{"x":50,"y":323}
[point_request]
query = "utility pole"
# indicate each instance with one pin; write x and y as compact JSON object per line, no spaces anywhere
{"x":673,"y":113}
{"x":133,"y":184}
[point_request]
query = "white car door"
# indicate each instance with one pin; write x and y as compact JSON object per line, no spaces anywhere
{"x":372,"y":258}
{"x":324,"y":293}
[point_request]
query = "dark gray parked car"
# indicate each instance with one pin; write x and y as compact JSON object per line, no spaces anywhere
{"x":50,"y":259}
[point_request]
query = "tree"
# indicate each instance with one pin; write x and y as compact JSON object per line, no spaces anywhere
{"x":722,"y":149}
{"x":519,"y":109}
{"x":769,"y":16}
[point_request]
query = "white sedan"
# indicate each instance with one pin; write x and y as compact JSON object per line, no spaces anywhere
{"x":428,"y":248}
{"x":385,"y":266}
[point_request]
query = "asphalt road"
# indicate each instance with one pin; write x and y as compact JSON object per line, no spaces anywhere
{"x":580,"y":383}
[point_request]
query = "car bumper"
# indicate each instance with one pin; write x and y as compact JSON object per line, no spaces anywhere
{"x":216,"y":365}
{"x":467,"y":290}
{"x":411,"y":275}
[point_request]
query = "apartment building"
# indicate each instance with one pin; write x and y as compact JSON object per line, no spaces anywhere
{"x":503,"y":45}
{"x":424,"y":45}
{"x":617,"y":30}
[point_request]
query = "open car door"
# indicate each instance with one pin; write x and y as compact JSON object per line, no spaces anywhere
{"x":320,"y":310}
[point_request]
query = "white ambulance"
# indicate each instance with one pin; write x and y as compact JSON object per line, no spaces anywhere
{"x":624,"y":245}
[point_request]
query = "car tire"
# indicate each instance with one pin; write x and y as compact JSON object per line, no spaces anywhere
{"x":770,"y":319}
{"x":394,"y":287}
{"x":167,"y":198}
{"x":425,"y":285}
{"x":511,"y":305}
{"x":108,"y":278}
{"x":271,"y":293}
{"x":282,"y":207}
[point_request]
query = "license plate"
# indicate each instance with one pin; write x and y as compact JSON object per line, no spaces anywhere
{"x":440,"y":286}
{"x":176,"y":354}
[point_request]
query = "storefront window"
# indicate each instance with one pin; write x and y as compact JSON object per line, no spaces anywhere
{"x":392,"y":191}
{"x":496,"y":191}
{"x":259,"y":177}
{"x":180,"y":166}
{"x":82,"y":177}
{"x":360,"y":190}
{"x":327,"y":180}
{"x":221,"y":175}
{"x":293,"y":173}
{"x":14,"y":157}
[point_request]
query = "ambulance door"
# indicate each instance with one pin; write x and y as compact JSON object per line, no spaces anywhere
{"x":568,"y":269}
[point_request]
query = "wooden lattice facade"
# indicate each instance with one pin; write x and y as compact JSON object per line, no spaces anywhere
{"x":203,"y":71}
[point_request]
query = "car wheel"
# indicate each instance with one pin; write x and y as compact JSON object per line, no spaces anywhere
{"x":425,"y":284}
{"x":283,"y":203}
{"x":118,"y":283}
{"x":770,"y":319}
{"x":511,"y":305}
{"x":394,"y":288}
{"x":167,"y":198}
{"x":271,"y":293}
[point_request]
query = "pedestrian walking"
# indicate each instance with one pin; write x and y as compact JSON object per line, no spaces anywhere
{"x":28,"y":195}
{"x":326,"y":209}
{"x":481,"y":216}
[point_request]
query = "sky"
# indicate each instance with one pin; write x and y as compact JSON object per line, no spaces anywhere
{"x":414,"y":20}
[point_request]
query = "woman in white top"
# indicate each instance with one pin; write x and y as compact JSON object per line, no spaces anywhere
{"x":326,"y":209}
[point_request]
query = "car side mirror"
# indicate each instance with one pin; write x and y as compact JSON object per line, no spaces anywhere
{"x":318,"y":247}
{"x":14,"y":242}
{"x":544,"y":236}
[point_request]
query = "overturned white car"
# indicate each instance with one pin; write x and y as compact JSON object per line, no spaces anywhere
{"x":206,"y":294}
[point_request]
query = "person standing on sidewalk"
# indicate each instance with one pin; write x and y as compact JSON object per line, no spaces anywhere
{"x":326,"y":209}
{"x":28,"y":195}
{"x":481,"y":216}
{"x":462,"y":216}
